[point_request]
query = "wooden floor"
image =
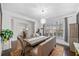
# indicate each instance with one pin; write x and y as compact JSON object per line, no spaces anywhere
{"x":57,"y":51}
{"x":61,"y":50}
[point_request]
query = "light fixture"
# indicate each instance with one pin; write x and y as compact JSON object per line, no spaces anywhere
{"x":27,"y":29}
{"x":43,"y":11}
{"x":43,"y":21}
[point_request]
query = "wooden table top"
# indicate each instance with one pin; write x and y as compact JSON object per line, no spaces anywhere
{"x":36,"y":40}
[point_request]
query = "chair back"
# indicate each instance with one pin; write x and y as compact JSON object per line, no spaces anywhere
{"x":21,"y":41}
{"x":16,"y":48}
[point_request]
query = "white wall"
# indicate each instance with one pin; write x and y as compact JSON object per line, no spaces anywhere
{"x":8,"y":15}
{"x":6,"y":22}
{"x":20,"y":24}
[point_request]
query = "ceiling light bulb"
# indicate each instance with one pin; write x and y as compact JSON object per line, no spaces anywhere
{"x":43,"y":21}
{"x":43,"y":11}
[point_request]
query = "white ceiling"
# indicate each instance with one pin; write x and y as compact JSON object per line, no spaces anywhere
{"x":33,"y":10}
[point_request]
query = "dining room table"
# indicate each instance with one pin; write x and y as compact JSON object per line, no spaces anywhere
{"x":36,"y":40}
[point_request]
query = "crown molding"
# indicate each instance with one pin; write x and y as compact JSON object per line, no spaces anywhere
{"x":13,"y":14}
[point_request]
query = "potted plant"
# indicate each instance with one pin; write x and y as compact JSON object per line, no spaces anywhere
{"x":5,"y":38}
{"x":6,"y":35}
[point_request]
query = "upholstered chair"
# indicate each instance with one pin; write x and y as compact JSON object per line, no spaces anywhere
{"x":16,"y":49}
{"x":22,"y":46}
{"x":26,"y":47}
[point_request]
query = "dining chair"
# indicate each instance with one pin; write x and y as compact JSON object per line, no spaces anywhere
{"x":16,"y":49}
{"x":26,"y":47}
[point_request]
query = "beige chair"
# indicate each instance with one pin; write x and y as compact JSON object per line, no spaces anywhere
{"x":16,"y":48}
{"x":21,"y":46}
{"x":26,"y":47}
{"x":44,"y":48}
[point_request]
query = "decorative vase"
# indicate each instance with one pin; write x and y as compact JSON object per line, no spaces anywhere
{"x":6,"y":44}
{"x":5,"y":41}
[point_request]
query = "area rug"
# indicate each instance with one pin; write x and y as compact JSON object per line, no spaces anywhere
{"x":57,"y":51}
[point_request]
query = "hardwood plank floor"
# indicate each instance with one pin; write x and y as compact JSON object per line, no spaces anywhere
{"x":61,"y":50}
{"x":57,"y":51}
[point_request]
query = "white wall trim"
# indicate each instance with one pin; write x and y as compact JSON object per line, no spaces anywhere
{"x":18,"y":15}
{"x":65,"y":15}
{"x":13,"y":14}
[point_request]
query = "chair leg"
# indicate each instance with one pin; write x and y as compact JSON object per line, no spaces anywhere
{"x":22,"y":53}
